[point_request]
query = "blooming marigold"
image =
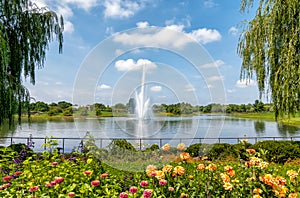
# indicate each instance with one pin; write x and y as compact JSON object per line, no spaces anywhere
{"x":179,"y":170}
{"x":183,"y":195}
{"x":231,"y":173}
{"x":263,"y":165}
{"x":167,"y":168}
{"x":185,"y":156}
{"x":191,"y":177}
{"x":150,"y":170}
{"x":257,"y":196}
{"x":201,"y":167}
{"x":228,"y":168}
{"x":181,"y":146}
{"x":166,"y":147}
{"x":159,"y":174}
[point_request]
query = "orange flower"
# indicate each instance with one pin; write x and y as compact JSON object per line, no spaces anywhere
{"x":251,"y":151}
{"x":231,"y":173}
{"x":159,"y":175}
{"x":201,"y":167}
{"x":292,"y":174}
{"x":257,"y":196}
{"x":181,"y":146}
{"x":185,"y":156}
{"x":191,"y":177}
{"x":263,"y":165}
{"x":183,"y":195}
{"x":257,"y":191}
{"x":150,"y":170}
{"x":228,"y":168}
{"x":225,"y":177}
{"x":166,"y":147}
{"x":211,"y":167}
{"x":293,"y":195}
{"x":167,"y":168}
{"x":179,"y":170}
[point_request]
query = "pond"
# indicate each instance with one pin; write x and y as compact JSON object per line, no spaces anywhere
{"x":167,"y":128}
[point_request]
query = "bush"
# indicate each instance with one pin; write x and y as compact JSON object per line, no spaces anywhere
{"x":120,"y":144}
{"x":153,"y":147}
{"x":197,"y":150}
{"x":221,"y":151}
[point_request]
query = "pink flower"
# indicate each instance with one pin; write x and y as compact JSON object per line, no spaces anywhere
{"x":87,"y":172}
{"x":49,"y":184}
{"x":123,"y":195}
{"x":33,"y":188}
{"x":6,"y":185}
{"x":95,"y":183}
{"x":59,"y":180}
{"x":71,"y":194}
{"x":133,"y":189}
{"x":147,"y":193}
{"x":104,"y":175}
{"x":7,"y":178}
{"x":144,"y":183}
{"x":54,"y":163}
{"x":171,"y":189}
{"x":17,"y":173}
{"x":162,"y":182}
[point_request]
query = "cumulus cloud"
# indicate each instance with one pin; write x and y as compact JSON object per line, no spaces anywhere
{"x":131,"y":65}
{"x":142,"y":24}
{"x":103,"y":87}
{"x":166,"y":37}
{"x":245,"y":83}
{"x":121,"y":8}
{"x":156,"y":88}
{"x":233,"y":30}
{"x":214,"y":64}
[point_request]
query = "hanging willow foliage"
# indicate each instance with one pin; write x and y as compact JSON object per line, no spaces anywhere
{"x":270,"y":49}
{"x":25,"y":34}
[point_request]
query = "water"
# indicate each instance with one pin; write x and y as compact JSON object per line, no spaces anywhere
{"x":161,"y":127}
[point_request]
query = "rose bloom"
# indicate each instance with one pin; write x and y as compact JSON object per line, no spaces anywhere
{"x":7,"y":178}
{"x":179,"y":170}
{"x":185,"y":156}
{"x":251,"y":151}
{"x":159,"y":175}
{"x":33,"y":188}
{"x":181,"y":146}
{"x":123,"y":195}
{"x":95,"y":183}
{"x":147,"y":193}
{"x":104,"y":175}
{"x":166,"y":147}
{"x":171,"y":189}
{"x":167,"y":168}
{"x":144,"y":183}
{"x":257,"y":191}
{"x":201,"y":167}
{"x":133,"y":189}
{"x":54,"y":163}
{"x":150,"y":169}
{"x":71,"y":194}
{"x":162,"y":182}
{"x":183,"y":195}
{"x":87,"y":172}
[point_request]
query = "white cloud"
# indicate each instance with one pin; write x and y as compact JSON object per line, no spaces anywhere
{"x":121,"y":8}
{"x":245,"y":83}
{"x":210,"y":4}
{"x":103,"y":87}
{"x":166,"y":37}
{"x":142,"y":24}
{"x":156,"y":88}
{"x":215,"y":78}
{"x":214,"y":64}
{"x":233,"y":30}
{"x":130,"y":64}
{"x":189,"y":88}
{"x":83,"y":4}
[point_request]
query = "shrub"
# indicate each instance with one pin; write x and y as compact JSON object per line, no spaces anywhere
{"x":153,"y":147}
{"x":220,"y":151}
{"x":122,"y":144}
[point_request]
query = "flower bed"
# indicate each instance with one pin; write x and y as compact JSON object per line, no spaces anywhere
{"x":85,"y":175}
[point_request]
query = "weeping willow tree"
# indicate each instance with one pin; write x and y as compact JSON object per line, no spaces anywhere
{"x":25,"y":34}
{"x":270,"y":49}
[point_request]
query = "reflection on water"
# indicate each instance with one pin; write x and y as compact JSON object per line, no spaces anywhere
{"x":259,"y":127}
{"x":285,"y":130}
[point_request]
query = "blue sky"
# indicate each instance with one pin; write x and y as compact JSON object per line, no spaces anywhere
{"x":160,"y":36}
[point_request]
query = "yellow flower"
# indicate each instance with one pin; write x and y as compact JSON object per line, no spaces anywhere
{"x":201,"y":167}
{"x":211,"y":167}
{"x":166,"y":147}
{"x":167,"y":168}
{"x":185,"y":156}
{"x":257,"y":191}
{"x":235,"y":181}
{"x":159,"y":175}
{"x":263,"y":165}
{"x":292,"y":174}
{"x":183,"y":195}
{"x":225,"y":177}
{"x":293,"y":195}
{"x":257,"y":196}
{"x":150,"y":170}
{"x":228,"y":168}
{"x":191,"y":177}
{"x":181,"y":146}
{"x":179,"y":170}
{"x":227,"y":186}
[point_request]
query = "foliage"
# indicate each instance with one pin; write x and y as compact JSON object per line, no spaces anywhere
{"x":25,"y":34}
{"x":120,"y":144}
{"x":270,"y":47}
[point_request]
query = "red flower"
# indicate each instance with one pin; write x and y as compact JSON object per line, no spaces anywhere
{"x":133,"y":189}
{"x":59,"y":180}
{"x":123,"y":195}
{"x":17,"y":173}
{"x":54,"y":163}
{"x":87,"y":172}
{"x":33,"y":188}
{"x":71,"y":194}
{"x":95,"y":183}
{"x":104,"y":175}
{"x":7,"y":178}
{"x":144,"y":183}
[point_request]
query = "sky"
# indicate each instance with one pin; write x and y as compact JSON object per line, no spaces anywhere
{"x":170,"y":51}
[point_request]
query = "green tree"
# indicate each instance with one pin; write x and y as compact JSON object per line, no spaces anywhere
{"x":25,"y":33}
{"x":270,"y":47}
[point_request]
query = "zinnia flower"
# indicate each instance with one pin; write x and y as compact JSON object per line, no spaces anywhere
{"x":71,"y":194}
{"x":162,"y":182}
{"x":171,"y":188}
{"x":201,"y":167}
{"x":54,"y":163}
{"x":7,"y":178}
{"x":167,"y":168}
{"x":95,"y":183}
{"x":293,"y":195}
{"x":87,"y":172}
{"x":144,"y":183}
{"x":257,"y":191}
{"x":211,"y":167}
{"x":147,"y":193}
{"x":251,"y":151}
{"x":33,"y":188}
{"x":166,"y":147}
{"x":159,"y":175}
{"x":227,"y":186}
{"x":123,"y":195}
{"x":17,"y":173}
{"x":181,"y":146}
{"x":151,"y":169}
{"x":292,"y":174}
{"x":133,"y":189}
{"x":179,"y":170}
{"x":185,"y":156}
{"x":104,"y":175}
{"x":183,"y":195}
{"x":58,"y":180}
